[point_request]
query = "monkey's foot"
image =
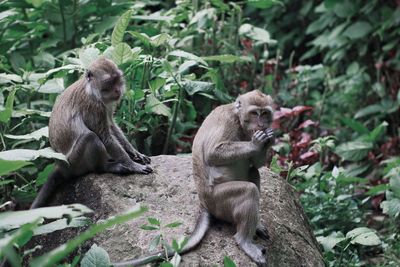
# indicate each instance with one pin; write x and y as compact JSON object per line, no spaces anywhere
{"x":262,"y":232}
{"x":141,"y":158}
{"x":255,"y":252}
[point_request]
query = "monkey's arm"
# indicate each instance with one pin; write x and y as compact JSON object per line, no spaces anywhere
{"x":228,"y":152}
{"x":132,"y":152}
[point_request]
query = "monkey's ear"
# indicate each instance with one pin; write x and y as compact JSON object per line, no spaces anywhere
{"x":89,"y":75}
{"x":238,"y":105}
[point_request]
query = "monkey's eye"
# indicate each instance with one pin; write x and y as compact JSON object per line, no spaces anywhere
{"x":253,"y":113}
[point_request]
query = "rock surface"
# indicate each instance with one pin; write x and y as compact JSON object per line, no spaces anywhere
{"x":170,"y":195}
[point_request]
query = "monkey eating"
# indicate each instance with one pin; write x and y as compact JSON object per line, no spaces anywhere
{"x":228,"y":149}
{"x":81,"y":127}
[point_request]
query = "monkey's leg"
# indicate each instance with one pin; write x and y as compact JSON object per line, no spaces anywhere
{"x":133,"y":153}
{"x":254,"y":177}
{"x":238,"y":202}
{"x":121,"y":157}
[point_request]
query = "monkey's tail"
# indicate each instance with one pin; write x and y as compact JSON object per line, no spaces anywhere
{"x":202,"y":225}
{"x":54,"y":179}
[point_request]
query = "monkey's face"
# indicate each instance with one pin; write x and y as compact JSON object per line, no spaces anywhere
{"x":106,"y":80}
{"x":255,"y":118}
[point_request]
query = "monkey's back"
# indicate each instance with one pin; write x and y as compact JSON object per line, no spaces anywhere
{"x":220,"y":125}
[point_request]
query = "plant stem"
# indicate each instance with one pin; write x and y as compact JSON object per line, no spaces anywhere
{"x":174,"y":116}
{"x":63,"y":22}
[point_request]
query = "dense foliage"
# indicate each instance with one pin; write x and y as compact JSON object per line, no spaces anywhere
{"x":333,"y":68}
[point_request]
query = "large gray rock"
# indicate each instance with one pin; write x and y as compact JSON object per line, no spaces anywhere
{"x":170,"y":195}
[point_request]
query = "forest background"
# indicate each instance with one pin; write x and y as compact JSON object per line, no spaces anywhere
{"x":332,"y":67}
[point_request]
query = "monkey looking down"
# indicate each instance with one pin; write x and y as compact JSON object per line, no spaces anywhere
{"x":81,"y":127}
{"x":228,"y":149}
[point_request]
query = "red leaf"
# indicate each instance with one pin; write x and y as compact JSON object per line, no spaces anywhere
{"x":306,"y":124}
{"x":299,"y":109}
{"x":304,"y":142}
{"x":309,"y":156}
{"x":282,"y":112}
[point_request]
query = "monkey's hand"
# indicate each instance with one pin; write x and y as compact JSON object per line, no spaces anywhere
{"x":270,"y":134}
{"x":259,"y":139}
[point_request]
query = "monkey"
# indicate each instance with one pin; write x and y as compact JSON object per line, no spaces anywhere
{"x":228,"y":149}
{"x":81,"y":127}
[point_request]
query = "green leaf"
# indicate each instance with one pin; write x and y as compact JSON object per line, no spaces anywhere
{"x":119,"y":29}
{"x":7,"y":166}
{"x":391,"y":207}
{"x":36,"y":135}
{"x":52,"y":86}
{"x":159,"y":39}
{"x":153,"y":221}
{"x":355,"y":125}
{"x":354,"y":151}
{"x":176,"y":260}
{"x":96,"y":257}
{"x":10,"y":78}
{"x":263,"y":4}
{"x":377,"y":132}
{"x":61,"y":224}
{"x":378,"y":189}
{"x":58,"y":254}
{"x":173,"y":225}
{"x":154,"y":17}
{"x":329,"y":242}
{"x":88,"y":55}
{"x":223,"y":58}
{"x":154,"y":242}
{"x":5,"y":114}
{"x":175,"y":245}
{"x":260,"y":36}
{"x":193,"y":87}
{"x":148,"y":227}
{"x":19,"y":237}
{"x":14,"y":219}
{"x":43,"y":175}
{"x":363,"y":236}
{"x":190,"y":56}
{"x":122,"y":53}
{"x":228,"y":262}
{"x":358,"y":30}
{"x":30,"y":154}
{"x":157,"y":107}
{"x":141,"y":37}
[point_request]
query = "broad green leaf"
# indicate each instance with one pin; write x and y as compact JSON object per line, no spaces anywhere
{"x":88,"y":55}
{"x":61,"y":224}
{"x":354,"y":151}
{"x":96,"y":257}
{"x":7,"y":166}
{"x":228,"y":262}
{"x":358,"y":30}
{"x":176,"y":260}
{"x":377,"y":132}
{"x":159,"y":39}
{"x":156,"y":106}
{"x":14,"y":219}
{"x":394,"y":182}
{"x":43,"y":175}
{"x":120,"y":28}
{"x":363,"y":236}
{"x":58,"y":254}
{"x":260,"y":36}
{"x":193,"y":87}
{"x":5,"y":114}
{"x":223,"y":58}
{"x":122,"y":53}
{"x":7,"y":13}
{"x":19,"y":237}
{"x":355,"y":125}
{"x":329,"y":242}
{"x":69,"y":68}
{"x":155,"y":17}
{"x":10,"y":78}
{"x":263,"y":4}
{"x":190,"y":56}
{"x":30,"y":154}
{"x":141,"y":37}
{"x":52,"y":86}
{"x":36,"y":135}
{"x":391,"y":207}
